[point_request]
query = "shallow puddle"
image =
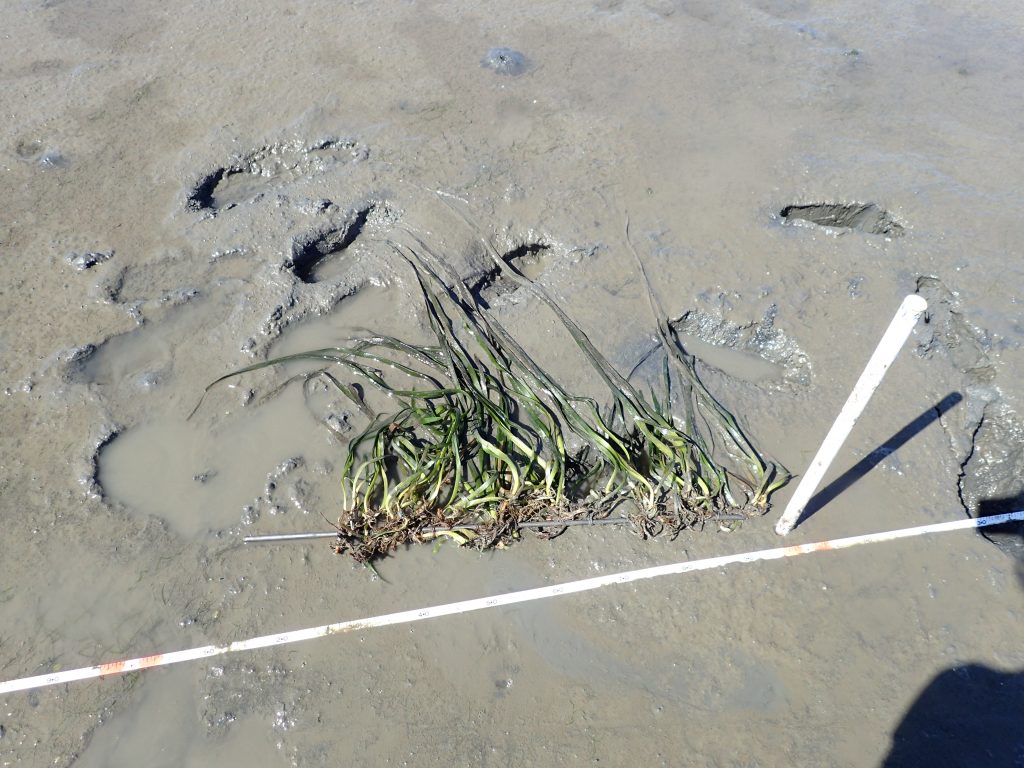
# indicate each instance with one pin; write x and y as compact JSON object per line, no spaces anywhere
{"x":733,"y":362}
{"x":202,"y":475}
{"x":371,"y":310}
{"x":198,"y":478}
{"x":177,"y":327}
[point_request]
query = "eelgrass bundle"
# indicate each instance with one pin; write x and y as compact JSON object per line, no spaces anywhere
{"x":477,"y":441}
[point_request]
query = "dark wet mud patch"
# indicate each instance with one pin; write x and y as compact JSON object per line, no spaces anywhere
{"x":530,"y":259}
{"x":313,"y":248}
{"x":1009,"y":537}
{"x":201,"y":196}
{"x":249,"y":177}
{"x":860,"y":217}
{"x":757,"y":353}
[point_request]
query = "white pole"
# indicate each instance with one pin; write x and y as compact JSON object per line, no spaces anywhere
{"x":899,"y":329}
{"x":481,"y":603}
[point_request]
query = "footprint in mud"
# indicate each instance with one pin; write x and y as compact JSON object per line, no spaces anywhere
{"x":272,"y":213}
{"x":249,"y":177}
{"x":757,"y":353}
{"x":490,"y":285}
{"x":859,"y":217}
{"x":311,"y":251}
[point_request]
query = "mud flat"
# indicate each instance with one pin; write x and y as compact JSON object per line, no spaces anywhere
{"x":190,"y":189}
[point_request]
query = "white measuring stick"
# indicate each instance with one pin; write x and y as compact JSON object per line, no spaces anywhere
{"x":892,"y":341}
{"x":477,"y":604}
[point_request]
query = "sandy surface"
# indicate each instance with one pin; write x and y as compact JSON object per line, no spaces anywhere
{"x":187,"y":188}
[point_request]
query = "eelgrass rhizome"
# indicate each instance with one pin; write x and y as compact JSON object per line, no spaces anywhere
{"x":478,"y":441}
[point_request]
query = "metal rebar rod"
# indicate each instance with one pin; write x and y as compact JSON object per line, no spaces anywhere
{"x":472,"y":527}
{"x":438,"y":529}
{"x":291,"y":536}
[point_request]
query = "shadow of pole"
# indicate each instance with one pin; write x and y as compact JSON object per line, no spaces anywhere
{"x":880,"y":454}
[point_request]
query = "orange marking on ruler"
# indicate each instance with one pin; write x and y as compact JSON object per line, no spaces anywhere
{"x":112,"y":668}
{"x":804,"y":549}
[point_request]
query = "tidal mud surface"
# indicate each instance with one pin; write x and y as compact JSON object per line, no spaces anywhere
{"x":188,"y":191}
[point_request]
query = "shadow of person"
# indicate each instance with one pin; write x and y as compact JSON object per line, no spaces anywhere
{"x":969,"y":715}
